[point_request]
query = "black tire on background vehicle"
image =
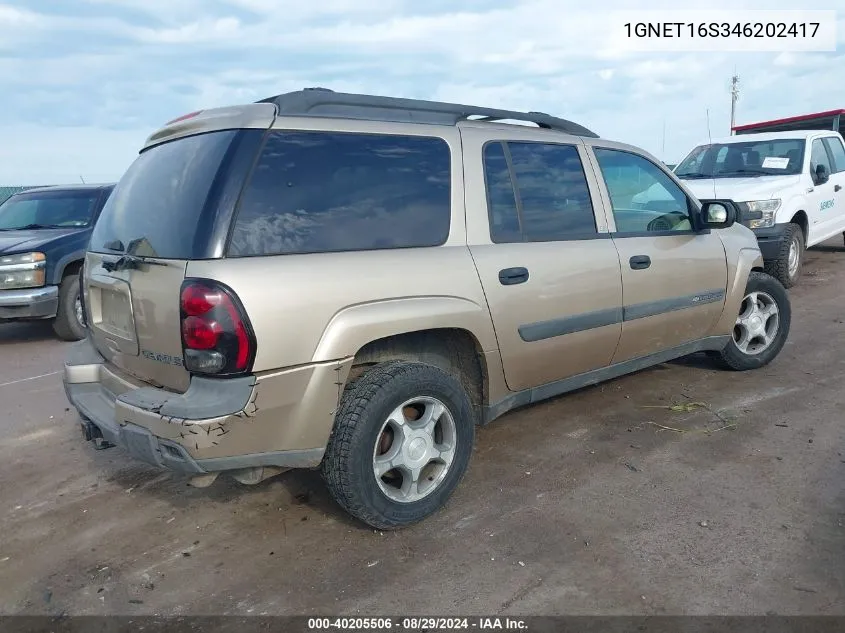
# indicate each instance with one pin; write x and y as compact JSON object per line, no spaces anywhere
{"x":405,"y":413}
{"x":762,"y":325}
{"x":786,"y":268}
{"x":67,"y":325}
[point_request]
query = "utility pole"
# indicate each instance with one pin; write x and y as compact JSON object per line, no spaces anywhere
{"x":734,"y":95}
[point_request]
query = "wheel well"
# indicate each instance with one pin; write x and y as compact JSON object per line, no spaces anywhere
{"x":800,"y":218}
{"x":455,"y":351}
{"x":72,"y":268}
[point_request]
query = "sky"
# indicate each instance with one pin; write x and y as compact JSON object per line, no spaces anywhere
{"x":84,"y":82}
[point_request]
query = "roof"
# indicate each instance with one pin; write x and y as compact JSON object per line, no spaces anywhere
{"x":8,"y":192}
{"x":322,"y":102}
{"x":764,"y":136}
{"x":814,"y":120}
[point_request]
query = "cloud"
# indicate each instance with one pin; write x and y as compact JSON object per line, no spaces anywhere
{"x":102,"y":72}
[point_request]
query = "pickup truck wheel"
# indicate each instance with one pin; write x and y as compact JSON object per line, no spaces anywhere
{"x":68,"y":322}
{"x":401,"y":444}
{"x":786,"y":267}
{"x":762,"y":324}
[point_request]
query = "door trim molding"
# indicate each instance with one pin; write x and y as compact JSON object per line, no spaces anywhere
{"x":541,"y":330}
{"x":653,"y":308}
{"x":596,"y":376}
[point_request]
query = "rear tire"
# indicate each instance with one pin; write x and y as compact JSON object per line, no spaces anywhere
{"x":67,"y":325}
{"x":379,"y":410}
{"x":786,"y":267}
{"x":765,"y":299}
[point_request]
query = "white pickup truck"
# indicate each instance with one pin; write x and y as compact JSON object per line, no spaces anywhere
{"x":790,"y":187}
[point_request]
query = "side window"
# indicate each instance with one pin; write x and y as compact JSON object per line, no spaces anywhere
{"x":316,"y":192}
{"x":818,"y":156}
{"x":501,"y":198}
{"x":551,"y":200}
{"x":553,"y":192}
{"x":837,"y":151}
{"x":643,"y":197}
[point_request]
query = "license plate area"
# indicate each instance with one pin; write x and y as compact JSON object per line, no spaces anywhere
{"x":112,"y":316}
{"x":116,"y":313}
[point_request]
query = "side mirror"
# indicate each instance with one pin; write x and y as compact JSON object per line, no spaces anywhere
{"x":821,"y":175}
{"x":718,"y":214}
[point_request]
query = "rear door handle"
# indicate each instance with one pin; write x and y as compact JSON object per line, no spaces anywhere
{"x":511,"y":276}
{"x":640,"y":262}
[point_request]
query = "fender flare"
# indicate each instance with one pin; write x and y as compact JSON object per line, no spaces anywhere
{"x":747,"y":260}
{"x":355,"y":326}
{"x":65,"y":261}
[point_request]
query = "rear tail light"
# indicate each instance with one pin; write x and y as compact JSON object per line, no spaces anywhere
{"x":217,"y":338}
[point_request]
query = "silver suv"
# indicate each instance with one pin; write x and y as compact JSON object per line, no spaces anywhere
{"x":354,"y":283}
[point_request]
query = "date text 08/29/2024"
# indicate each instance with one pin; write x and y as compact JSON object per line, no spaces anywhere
{"x":417,"y":624}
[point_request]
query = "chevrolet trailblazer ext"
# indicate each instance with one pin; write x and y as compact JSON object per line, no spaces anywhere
{"x":353,"y":283}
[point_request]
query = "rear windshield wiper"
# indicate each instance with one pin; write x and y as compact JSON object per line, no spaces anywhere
{"x":128,"y":259}
{"x":129,"y":262}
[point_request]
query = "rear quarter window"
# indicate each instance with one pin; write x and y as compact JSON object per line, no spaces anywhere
{"x":316,"y":192}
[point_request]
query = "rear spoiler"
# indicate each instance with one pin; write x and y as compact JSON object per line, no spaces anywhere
{"x":249,"y":116}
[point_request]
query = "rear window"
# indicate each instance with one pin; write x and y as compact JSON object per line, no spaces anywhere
{"x":48,"y":209}
{"x":315,"y":192}
{"x":157,"y":207}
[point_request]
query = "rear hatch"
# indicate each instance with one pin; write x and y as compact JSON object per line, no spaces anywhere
{"x":172,"y":205}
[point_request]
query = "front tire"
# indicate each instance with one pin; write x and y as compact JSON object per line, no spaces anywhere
{"x":401,"y":444}
{"x":786,"y":267}
{"x":68,"y":324}
{"x":762,"y":325}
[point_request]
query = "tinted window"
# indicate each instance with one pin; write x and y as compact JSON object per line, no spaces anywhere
{"x":156,"y":208}
{"x":818,"y":156}
{"x":315,"y":192}
{"x":553,"y":200}
{"x":643,"y":197}
{"x":834,"y":145}
{"x":48,"y":209}
{"x":501,"y":202}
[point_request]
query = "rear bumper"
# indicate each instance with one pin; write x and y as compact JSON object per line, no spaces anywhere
{"x":770,"y":240}
{"x":215,"y":425}
{"x":31,"y":303}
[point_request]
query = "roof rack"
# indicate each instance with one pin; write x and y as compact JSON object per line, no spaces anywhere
{"x":328,"y":103}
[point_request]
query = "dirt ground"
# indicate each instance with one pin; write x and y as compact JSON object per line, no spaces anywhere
{"x":581,"y":505}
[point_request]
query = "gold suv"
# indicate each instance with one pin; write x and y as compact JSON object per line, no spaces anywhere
{"x":354,"y":283}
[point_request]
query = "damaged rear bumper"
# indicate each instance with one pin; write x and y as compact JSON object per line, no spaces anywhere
{"x":188,"y":432}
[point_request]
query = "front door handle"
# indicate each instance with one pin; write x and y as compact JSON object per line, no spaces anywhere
{"x":511,"y":276}
{"x":837,"y":187}
{"x":640,"y":262}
